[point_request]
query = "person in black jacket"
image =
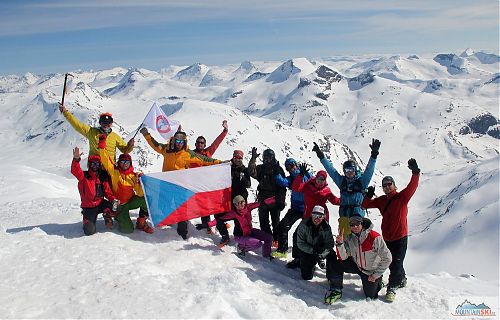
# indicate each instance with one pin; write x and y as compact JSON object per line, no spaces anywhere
{"x":268,"y":187}
{"x":314,"y":242}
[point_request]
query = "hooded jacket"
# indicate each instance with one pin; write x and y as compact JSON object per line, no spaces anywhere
{"x":91,"y":187}
{"x":314,"y":195}
{"x":350,"y":201}
{"x":394,"y":218}
{"x":125,"y":184}
{"x":313,"y":239}
{"x":368,"y":250}
{"x":297,"y":198}
{"x":113,"y":140}
{"x":176,"y":160}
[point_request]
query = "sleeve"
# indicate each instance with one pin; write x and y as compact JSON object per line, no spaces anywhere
{"x":252,"y":168}
{"x":332,"y":172}
{"x":385,"y":257}
{"x":342,"y":251}
{"x":253,"y":205}
{"x":302,"y":239}
{"x":158,"y":147}
{"x":200,"y":160}
{"x":228,"y":216}
{"x":106,"y":162}
{"x":410,"y":189}
{"x":81,"y":128}
{"x":333,"y":199}
{"x":367,"y":175}
{"x":328,"y":243}
{"x":246,"y":181}
{"x":76,"y":170}
{"x":213,"y":147}
{"x":374,"y":203}
{"x":282,"y":181}
{"x":107,"y":191}
{"x":122,"y":145}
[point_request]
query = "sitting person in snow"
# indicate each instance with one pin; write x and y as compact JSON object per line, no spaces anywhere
{"x":362,"y":252}
{"x":93,"y":186}
{"x":126,"y":186}
{"x":247,"y":237}
{"x":314,"y":242}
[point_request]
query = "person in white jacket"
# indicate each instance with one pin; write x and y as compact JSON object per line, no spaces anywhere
{"x":362,"y":252}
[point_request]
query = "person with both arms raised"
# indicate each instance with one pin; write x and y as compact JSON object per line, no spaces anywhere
{"x":352,"y":184}
{"x":394,"y":209}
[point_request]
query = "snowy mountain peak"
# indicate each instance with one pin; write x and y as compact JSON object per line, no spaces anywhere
{"x":192,"y":74}
{"x":246,"y":66}
{"x":132,"y":76}
{"x":467,"y":53}
{"x":290,"y":68}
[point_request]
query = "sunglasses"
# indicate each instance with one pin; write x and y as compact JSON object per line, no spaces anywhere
{"x":124,"y":161}
{"x":388,"y":184}
{"x":179,"y":141}
{"x":354,"y":224}
{"x":317,"y":216}
{"x":320,"y":178}
{"x":200,"y":142}
{"x":94,"y":163}
{"x":349,"y":170}
{"x":241,"y":203}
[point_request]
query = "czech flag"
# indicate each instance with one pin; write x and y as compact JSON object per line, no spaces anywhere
{"x":182,"y":195}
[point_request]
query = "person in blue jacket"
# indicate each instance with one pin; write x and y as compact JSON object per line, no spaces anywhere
{"x":352,"y":184}
{"x":296,"y":210}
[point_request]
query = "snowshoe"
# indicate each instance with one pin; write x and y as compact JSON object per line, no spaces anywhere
{"x":332,"y":295}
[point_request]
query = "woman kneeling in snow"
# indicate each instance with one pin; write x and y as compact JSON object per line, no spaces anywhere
{"x":247,"y":237}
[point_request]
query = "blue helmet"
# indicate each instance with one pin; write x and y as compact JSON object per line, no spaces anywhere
{"x":289,"y":162}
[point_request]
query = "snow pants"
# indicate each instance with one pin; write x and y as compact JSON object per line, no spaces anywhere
{"x":335,"y":274}
{"x":264,"y":212}
{"x":90,"y":216}
{"x":308,"y":264}
{"x":398,"y":251}
{"x":125,"y":224}
{"x":255,"y":240}
{"x":285,"y":225}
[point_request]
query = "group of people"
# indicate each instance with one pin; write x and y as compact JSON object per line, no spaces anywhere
{"x":113,"y":188}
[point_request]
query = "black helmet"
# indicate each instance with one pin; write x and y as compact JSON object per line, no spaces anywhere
{"x":268,"y":155}
{"x":351,"y":164}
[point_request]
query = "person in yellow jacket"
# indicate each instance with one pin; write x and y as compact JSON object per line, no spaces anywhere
{"x":177,"y":156}
{"x":113,"y":140}
{"x":126,"y":186}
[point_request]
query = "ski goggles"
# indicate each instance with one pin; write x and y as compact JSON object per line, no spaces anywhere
{"x":124,"y":161}
{"x":179,"y":141}
{"x":354,"y":224}
{"x":349,"y":169}
{"x":317,"y":216}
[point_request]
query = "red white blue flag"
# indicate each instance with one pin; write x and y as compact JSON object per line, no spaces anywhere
{"x":158,"y":122}
{"x":182,"y":195}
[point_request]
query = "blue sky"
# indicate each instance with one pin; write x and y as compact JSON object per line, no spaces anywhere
{"x":61,"y":36}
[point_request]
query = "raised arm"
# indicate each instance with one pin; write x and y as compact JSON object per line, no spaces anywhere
{"x":213,"y":147}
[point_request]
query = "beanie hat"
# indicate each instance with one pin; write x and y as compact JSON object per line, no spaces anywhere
{"x":238,"y":199}
{"x":289,"y":162}
{"x":388,"y":179}
{"x":238,"y":154}
{"x":105,"y":118}
{"x":125,"y":156}
{"x":356,"y":219}
{"x":322,"y":174}
{"x":319,"y":210}
{"x":93,"y":158}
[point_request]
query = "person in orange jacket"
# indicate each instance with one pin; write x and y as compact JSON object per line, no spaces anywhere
{"x":95,"y":192}
{"x":126,"y":186}
{"x":177,"y":156}
{"x":113,"y":140}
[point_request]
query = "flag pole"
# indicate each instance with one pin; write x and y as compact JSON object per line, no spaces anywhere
{"x":142,"y":123}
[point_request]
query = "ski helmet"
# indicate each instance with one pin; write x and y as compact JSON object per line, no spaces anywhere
{"x":268,"y":155}
{"x":351,"y":164}
{"x":289,"y":162}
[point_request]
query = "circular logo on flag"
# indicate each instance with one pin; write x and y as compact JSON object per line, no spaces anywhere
{"x":162,"y":124}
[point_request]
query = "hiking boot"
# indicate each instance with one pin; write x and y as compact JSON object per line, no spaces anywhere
{"x":332,"y":296}
{"x":322,"y":264}
{"x":279,"y":255}
{"x":274,"y":244}
{"x":108,"y":221}
{"x":402,"y":284}
{"x":390,"y":295}
{"x":295,"y":263}
{"x":240,"y":252}
{"x":223,"y":241}
{"x":210,"y":231}
{"x":141,"y":224}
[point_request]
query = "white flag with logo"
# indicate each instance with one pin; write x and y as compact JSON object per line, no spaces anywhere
{"x":157,"y":121}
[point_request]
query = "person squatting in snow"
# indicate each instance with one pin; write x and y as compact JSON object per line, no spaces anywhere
{"x":95,"y":192}
{"x":126,"y":186}
{"x":246,"y":236}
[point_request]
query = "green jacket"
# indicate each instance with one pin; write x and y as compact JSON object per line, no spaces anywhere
{"x":313,"y":239}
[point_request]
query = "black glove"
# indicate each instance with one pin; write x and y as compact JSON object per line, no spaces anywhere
{"x":375,"y":146}
{"x":412,"y":164}
{"x":319,"y":153}
{"x":303,"y":169}
{"x":370,"y":192}
{"x":254,"y":153}
{"x":200,"y":226}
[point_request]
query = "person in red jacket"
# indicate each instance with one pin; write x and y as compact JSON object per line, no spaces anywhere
{"x":316,"y":193}
{"x":93,"y":186}
{"x":201,"y":148}
{"x":394,"y":209}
